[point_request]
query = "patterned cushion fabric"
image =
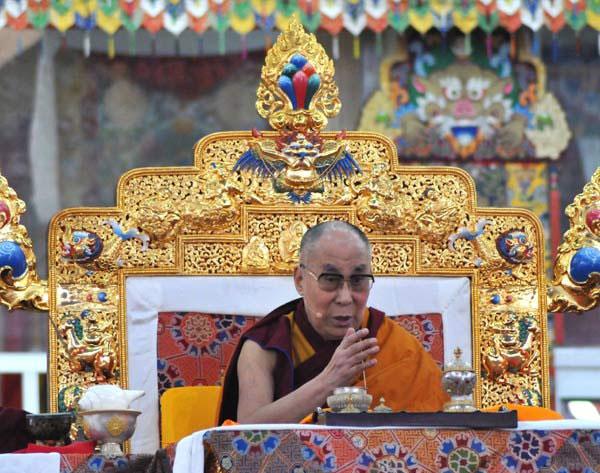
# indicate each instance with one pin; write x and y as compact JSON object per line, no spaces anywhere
{"x":195,"y":348}
{"x":428,"y":329}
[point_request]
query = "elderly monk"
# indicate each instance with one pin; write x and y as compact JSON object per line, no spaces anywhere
{"x":288,"y":363}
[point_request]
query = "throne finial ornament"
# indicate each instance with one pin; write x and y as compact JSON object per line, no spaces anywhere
{"x":576,"y":282}
{"x":20,"y":285}
{"x":297,"y":91}
{"x":297,"y":95}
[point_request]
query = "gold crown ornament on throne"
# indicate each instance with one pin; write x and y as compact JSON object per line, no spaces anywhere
{"x":296,"y":96}
{"x":242,"y":208}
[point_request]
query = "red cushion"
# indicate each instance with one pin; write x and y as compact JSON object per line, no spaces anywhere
{"x":75,"y":447}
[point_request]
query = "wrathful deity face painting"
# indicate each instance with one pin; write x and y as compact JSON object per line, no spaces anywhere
{"x":460,"y":102}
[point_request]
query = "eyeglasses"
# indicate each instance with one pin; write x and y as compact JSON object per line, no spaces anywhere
{"x":331,"y":282}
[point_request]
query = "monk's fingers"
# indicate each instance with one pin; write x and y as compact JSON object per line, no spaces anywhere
{"x":362,"y":345}
{"x":363,"y":365}
{"x":347,"y":340}
{"x":362,"y":356}
{"x":353,"y":336}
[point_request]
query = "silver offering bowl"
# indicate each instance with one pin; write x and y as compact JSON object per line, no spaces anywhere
{"x":109,"y":428}
{"x":349,"y":399}
{"x":458,"y":381}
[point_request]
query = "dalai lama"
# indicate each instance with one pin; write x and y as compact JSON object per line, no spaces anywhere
{"x":287,"y":364}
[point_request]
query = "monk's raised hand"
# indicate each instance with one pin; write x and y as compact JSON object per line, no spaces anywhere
{"x":351,"y":357}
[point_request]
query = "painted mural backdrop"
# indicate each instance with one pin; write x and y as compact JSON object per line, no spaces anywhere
{"x":457,"y":102}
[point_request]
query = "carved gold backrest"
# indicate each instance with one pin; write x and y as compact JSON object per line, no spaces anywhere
{"x":244,"y":205}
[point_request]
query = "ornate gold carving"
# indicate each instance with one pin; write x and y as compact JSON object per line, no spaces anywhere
{"x":298,"y":165}
{"x":393,"y":258}
{"x":92,"y":252}
{"x":512,"y":357}
{"x":20,"y":285}
{"x":255,"y":256}
{"x":159,"y":219}
{"x":167,"y":208}
{"x":297,"y":95}
{"x":88,"y":345}
{"x":507,"y":352}
{"x":381,"y":205}
{"x":207,"y":219}
{"x":212,"y":258}
{"x":576,"y":282}
{"x":437,"y":216}
{"x":275,"y":105}
{"x":217,"y":207}
{"x":507,"y":253}
{"x":289,"y":245}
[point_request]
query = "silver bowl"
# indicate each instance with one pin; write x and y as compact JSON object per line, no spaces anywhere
{"x":349,"y":399}
{"x":109,"y":428}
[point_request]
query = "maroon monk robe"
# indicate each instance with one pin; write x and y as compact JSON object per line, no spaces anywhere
{"x":274,"y":332}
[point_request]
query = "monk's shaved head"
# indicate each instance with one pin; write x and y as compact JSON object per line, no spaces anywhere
{"x":312,"y":236}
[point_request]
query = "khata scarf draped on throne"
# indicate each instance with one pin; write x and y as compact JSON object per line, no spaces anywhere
{"x":405,"y":374}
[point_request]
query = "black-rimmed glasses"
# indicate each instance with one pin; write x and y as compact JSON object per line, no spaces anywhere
{"x":331,"y":282}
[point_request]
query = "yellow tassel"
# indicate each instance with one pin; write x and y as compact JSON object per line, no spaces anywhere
{"x":356,"y":47}
{"x":111,"y":47}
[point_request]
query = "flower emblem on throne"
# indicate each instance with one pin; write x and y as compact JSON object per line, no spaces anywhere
{"x":463,"y":454}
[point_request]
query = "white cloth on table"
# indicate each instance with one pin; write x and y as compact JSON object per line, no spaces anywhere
{"x":30,"y":463}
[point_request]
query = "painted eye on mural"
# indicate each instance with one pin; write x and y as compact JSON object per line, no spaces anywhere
{"x":475,"y":93}
{"x":452,"y":93}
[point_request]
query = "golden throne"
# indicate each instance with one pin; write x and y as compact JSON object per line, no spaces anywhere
{"x":219,"y":232}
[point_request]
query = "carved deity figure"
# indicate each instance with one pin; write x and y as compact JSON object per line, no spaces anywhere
{"x":88,"y":346}
{"x":289,"y":242}
{"x":255,"y":256}
{"x":508,"y":354}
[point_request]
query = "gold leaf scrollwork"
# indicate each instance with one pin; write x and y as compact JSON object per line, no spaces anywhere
{"x":381,"y":206}
{"x":576,"y":282}
{"x":20,"y":285}
{"x":217,"y":207}
{"x":160,"y":219}
{"x":437,"y":215}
